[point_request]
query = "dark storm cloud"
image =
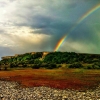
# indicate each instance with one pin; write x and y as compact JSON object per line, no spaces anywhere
{"x":55,"y":17}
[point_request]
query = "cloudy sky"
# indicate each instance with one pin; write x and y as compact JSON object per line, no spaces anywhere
{"x":38,"y":25}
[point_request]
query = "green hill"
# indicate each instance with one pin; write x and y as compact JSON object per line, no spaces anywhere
{"x":52,"y":60}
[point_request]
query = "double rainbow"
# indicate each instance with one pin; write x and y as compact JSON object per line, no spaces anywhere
{"x":75,"y":25}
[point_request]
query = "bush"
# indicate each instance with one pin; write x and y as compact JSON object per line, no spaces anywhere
{"x":5,"y":68}
{"x":88,"y":67}
{"x":76,"y":65}
{"x":44,"y":65}
{"x":36,"y":66}
{"x":13,"y":65}
{"x":50,"y":66}
{"x":95,"y":66}
{"x":58,"y":66}
{"x":24,"y":65}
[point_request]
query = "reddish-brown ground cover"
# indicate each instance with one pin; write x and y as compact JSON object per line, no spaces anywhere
{"x":57,"y":78}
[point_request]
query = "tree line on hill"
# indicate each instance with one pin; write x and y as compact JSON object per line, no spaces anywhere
{"x":53,"y":60}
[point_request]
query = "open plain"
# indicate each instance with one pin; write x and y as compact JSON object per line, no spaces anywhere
{"x":55,"y":84}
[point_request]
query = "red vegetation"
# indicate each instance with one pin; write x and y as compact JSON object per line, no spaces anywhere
{"x":62,"y":79}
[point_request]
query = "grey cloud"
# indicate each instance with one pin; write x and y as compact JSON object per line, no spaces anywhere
{"x":50,"y":17}
{"x":47,"y":18}
{"x":6,"y":51}
{"x":3,"y":4}
{"x":2,"y":31}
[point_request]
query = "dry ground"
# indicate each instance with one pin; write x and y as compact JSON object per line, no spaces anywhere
{"x":80,"y":79}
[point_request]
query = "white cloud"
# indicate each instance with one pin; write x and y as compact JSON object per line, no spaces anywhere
{"x":21,"y":36}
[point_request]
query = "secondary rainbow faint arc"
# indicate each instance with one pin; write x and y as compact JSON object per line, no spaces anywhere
{"x":75,"y":25}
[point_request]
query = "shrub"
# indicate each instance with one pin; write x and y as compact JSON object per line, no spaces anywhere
{"x":51,"y":66}
{"x":36,"y":66}
{"x":59,"y":66}
{"x":76,"y":65}
{"x":24,"y":65}
{"x":5,"y":68}
{"x":43,"y":65}
{"x":95,"y":66}
{"x":13,"y":65}
{"x":88,"y":67}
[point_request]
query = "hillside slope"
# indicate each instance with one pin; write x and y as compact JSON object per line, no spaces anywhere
{"x":51,"y":58}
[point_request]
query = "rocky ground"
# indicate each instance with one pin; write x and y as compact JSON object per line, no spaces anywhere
{"x":12,"y":91}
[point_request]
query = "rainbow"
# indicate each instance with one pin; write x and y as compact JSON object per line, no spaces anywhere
{"x":60,"y":42}
{"x":75,"y":25}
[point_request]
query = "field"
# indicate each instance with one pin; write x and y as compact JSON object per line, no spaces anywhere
{"x":80,"y":79}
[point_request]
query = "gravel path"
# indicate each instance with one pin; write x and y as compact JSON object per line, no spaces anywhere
{"x":12,"y":91}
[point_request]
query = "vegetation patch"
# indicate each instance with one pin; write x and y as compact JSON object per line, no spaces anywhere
{"x":51,"y":60}
{"x":71,"y":78}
